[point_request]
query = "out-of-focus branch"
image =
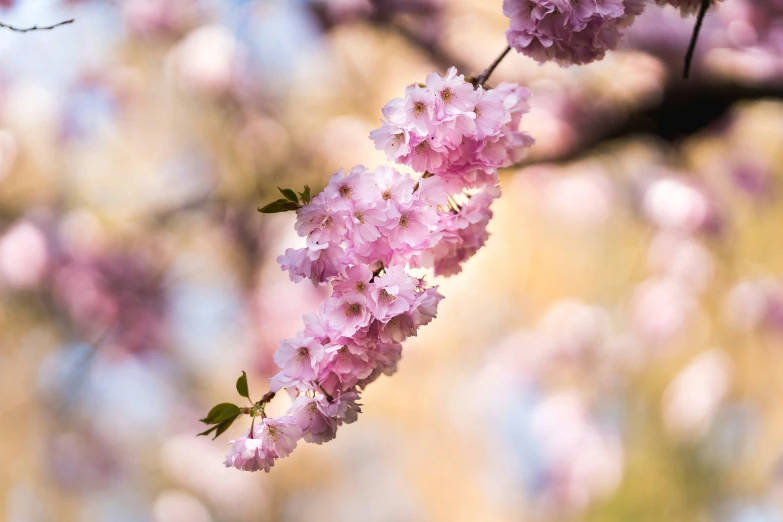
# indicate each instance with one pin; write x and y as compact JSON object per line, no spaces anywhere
{"x":384,"y":17}
{"x":435,"y":52}
{"x":35,"y":27}
{"x":685,"y":109}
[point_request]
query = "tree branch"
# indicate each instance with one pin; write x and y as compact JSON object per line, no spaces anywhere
{"x":705,"y":5}
{"x":35,"y":27}
{"x":483,"y":77}
{"x":436,"y":53}
{"x":685,"y":109}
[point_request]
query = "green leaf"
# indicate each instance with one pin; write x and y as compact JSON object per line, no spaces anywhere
{"x":221,"y":412}
{"x":289,"y":194}
{"x":220,"y":428}
{"x":242,"y":386}
{"x":210,"y":430}
{"x":223,"y":426}
{"x":305,"y":195}
{"x":281,"y":205}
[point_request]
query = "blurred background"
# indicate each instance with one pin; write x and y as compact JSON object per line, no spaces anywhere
{"x":614,"y":353}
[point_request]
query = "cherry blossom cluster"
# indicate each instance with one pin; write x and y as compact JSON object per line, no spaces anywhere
{"x":363,"y":233}
{"x":353,"y":339}
{"x":449,"y":128}
{"x":569,"y":32}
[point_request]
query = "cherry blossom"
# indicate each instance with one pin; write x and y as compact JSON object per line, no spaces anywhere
{"x":568,"y":33}
{"x":455,"y":130}
{"x":363,"y":234}
{"x":248,"y":454}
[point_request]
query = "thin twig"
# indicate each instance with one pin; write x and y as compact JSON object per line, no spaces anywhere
{"x":483,"y":77}
{"x":705,"y":5}
{"x":268,"y":396}
{"x":35,"y":27}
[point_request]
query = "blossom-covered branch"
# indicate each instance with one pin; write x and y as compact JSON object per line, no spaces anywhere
{"x":369,"y":233}
{"x":578,"y":33}
{"x":364,"y":235}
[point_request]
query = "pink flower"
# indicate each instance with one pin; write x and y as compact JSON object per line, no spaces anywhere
{"x":308,"y":413}
{"x":397,"y":329}
{"x":298,"y":358}
{"x":365,"y":221}
{"x":568,"y":32}
{"x":317,"y":262}
{"x":453,"y":95}
{"x":514,"y":100}
{"x":316,"y":327}
{"x":426,"y":154}
{"x":461,"y":246}
{"x":409,"y":230}
{"x":392,"y":139}
{"x":278,"y":435}
{"x":392,"y":294}
{"x":344,"y":406}
{"x":419,"y":109}
{"x":347,"y":360}
{"x":463,"y":233}
{"x":674,"y":203}
{"x":357,"y":281}
{"x":395,"y":189}
{"x":452,"y":129}
{"x":248,"y":455}
{"x":490,"y":113}
{"x":319,"y":223}
{"x":383,"y":222}
{"x":345,"y":314}
{"x":23,"y":255}
{"x":425,"y":309}
{"x":385,"y":359}
{"x":344,"y":190}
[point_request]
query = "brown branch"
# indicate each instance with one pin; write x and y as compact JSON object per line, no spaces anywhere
{"x":705,"y":5}
{"x":268,"y":396}
{"x":35,"y":27}
{"x":436,"y":53}
{"x":483,"y":77}
{"x":684,"y":109}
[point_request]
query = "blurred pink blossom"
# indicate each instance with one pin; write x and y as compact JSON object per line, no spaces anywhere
{"x":661,"y":308}
{"x":682,"y":258}
{"x":694,"y":397}
{"x":155,"y":18}
{"x":675,"y":204}
{"x":23,"y":255}
{"x":584,"y":461}
{"x":207,"y":60}
{"x":758,"y":303}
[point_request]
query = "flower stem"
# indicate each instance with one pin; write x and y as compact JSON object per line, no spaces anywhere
{"x":259,"y":407}
{"x":483,"y":77}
